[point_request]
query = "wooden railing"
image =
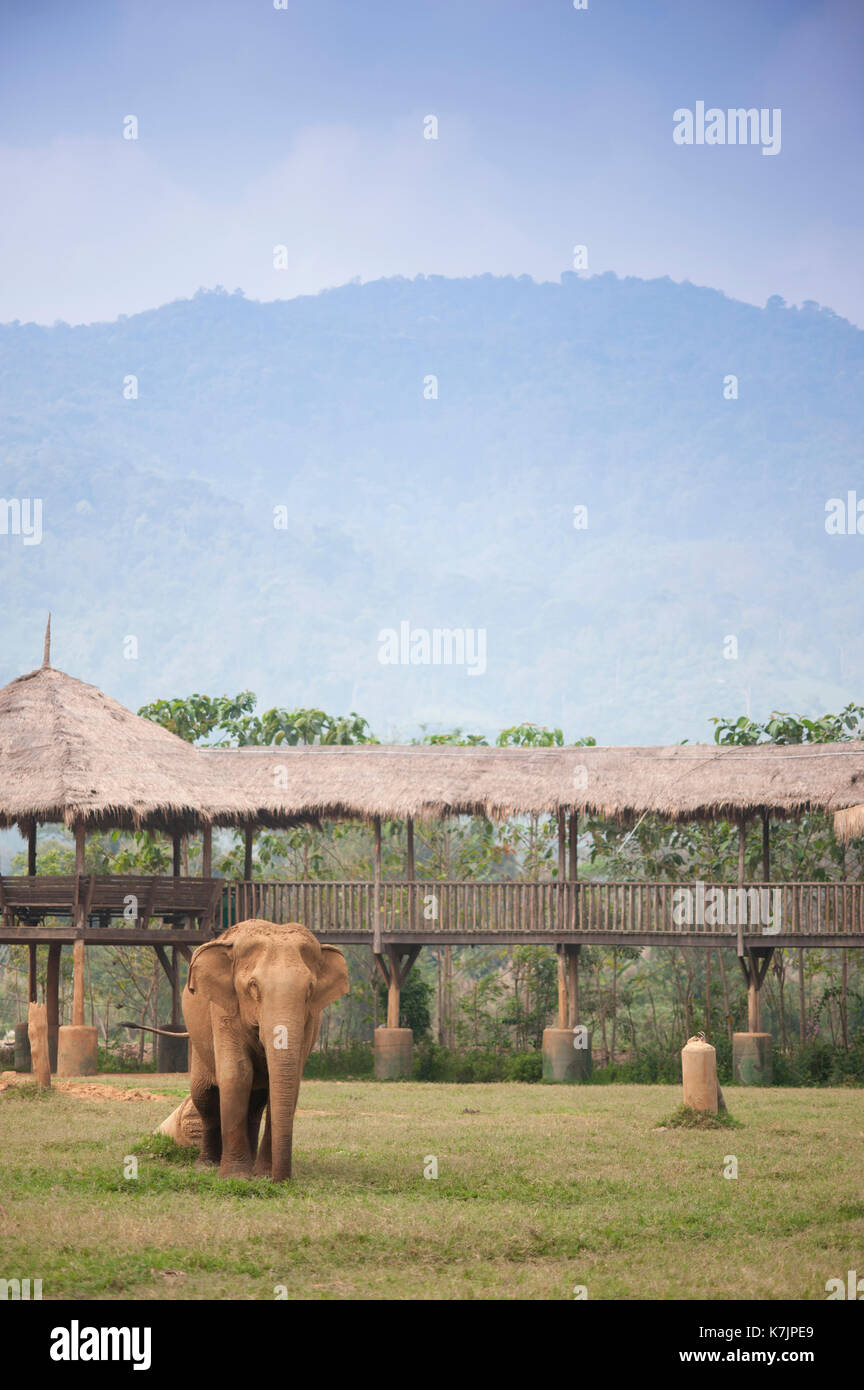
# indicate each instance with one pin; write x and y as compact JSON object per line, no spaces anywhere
{"x":590,"y":907}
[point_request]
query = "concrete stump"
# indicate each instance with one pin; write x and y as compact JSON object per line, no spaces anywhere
{"x":23,"y":1060}
{"x":77,"y":1051}
{"x":393,"y":1048}
{"x":752,"y":1058}
{"x":564,"y":1059}
{"x":699,"y":1076}
{"x":172,"y":1054}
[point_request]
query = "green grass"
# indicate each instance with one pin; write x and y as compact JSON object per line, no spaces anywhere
{"x":685,"y":1117}
{"x":539,"y":1189}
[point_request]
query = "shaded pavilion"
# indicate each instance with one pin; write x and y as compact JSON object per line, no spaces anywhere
{"x":71,"y":755}
{"x":688,"y":782}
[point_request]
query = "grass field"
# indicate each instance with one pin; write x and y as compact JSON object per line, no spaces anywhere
{"x":539,"y":1189}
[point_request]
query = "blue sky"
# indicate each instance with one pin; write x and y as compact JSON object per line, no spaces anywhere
{"x":304,"y":127}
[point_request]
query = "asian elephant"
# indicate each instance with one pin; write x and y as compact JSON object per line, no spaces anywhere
{"x":252,"y":1005}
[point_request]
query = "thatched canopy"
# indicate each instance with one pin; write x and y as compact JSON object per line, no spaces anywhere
{"x":682,"y":782}
{"x":849,"y":823}
{"x":69,"y":753}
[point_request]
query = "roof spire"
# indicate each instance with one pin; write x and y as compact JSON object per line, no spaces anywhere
{"x":46,"y":655}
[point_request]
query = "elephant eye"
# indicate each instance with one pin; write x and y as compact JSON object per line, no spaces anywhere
{"x":253,"y":989}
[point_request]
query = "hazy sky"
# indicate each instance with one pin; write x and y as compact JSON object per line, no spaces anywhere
{"x":304,"y":127}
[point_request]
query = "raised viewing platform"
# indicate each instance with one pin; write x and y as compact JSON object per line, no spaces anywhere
{"x":588,"y":911}
{"x":127,"y":909}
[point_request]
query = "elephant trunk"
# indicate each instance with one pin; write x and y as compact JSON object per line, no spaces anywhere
{"x":281,"y":1031}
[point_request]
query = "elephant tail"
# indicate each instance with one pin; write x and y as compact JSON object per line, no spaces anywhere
{"x":163,"y":1032}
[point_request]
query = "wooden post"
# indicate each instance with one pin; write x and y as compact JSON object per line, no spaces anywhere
{"x":52,"y":984}
{"x":393,"y":989}
{"x":376,"y":896}
{"x":573,"y":986}
{"x":78,"y":984}
{"x":248,"y":839}
{"x":562,"y":846}
{"x":176,"y":1015}
{"x":742,"y":844}
{"x":32,"y":973}
{"x":31,"y":848}
{"x":562,"y":986}
{"x":410,"y":870}
{"x":80,"y":922}
{"x":207,"y":852}
{"x":574,"y":845}
{"x":766,"y":848}
{"x":177,"y":851}
{"x":37,"y":1031}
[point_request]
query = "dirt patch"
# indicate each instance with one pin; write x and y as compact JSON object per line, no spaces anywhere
{"x":84,"y":1090}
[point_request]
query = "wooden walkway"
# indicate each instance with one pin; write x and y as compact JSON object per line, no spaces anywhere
{"x":130,"y":910}
{"x":506,"y":913}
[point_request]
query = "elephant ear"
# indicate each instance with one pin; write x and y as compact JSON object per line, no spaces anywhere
{"x":332,"y":977}
{"x":211,"y":974}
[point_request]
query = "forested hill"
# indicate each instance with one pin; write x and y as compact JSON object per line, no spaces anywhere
{"x":705,"y":515}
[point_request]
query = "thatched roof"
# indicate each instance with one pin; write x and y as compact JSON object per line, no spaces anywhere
{"x":849,"y":824}
{"x":682,"y":782}
{"x":69,"y":753}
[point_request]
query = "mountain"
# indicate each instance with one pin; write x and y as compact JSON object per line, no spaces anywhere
{"x":706,"y":515}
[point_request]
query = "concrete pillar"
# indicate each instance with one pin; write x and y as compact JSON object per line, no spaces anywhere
{"x":393,"y":1053}
{"x":566,"y":1054}
{"x":752,"y":1059}
{"x":23,"y":1061}
{"x":172,"y":1054}
{"x":77,"y":1051}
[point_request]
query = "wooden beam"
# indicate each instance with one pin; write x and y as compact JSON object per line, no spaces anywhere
{"x":31,"y":848}
{"x":766,"y":848}
{"x":176,"y":853}
{"x":164,"y":961}
{"x":248,"y":841}
{"x":32,"y":973}
{"x":574,"y":844}
{"x":207,"y":852}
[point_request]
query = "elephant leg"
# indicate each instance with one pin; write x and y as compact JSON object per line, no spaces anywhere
{"x":234,"y":1076}
{"x":205,"y":1097}
{"x":264,"y":1161}
{"x":257,"y":1102}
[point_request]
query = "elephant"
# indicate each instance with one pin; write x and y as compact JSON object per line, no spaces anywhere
{"x":252,"y":1004}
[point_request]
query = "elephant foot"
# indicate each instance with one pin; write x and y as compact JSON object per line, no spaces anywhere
{"x":235,"y":1170}
{"x":262,"y":1170}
